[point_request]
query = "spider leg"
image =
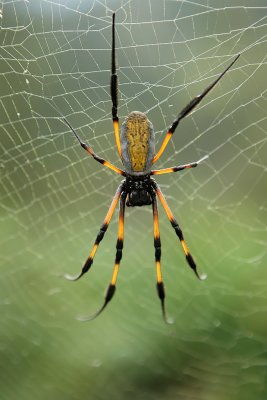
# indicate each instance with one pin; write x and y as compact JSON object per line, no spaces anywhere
{"x":100,"y":235}
{"x":157,"y":246}
{"x":119,"y":246}
{"x":188,"y":109}
{"x":114,"y":89}
{"x":91,"y":152}
{"x":178,"y":231}
{"x":179,"y":168}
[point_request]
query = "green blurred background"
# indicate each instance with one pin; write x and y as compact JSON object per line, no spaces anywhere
{"x":56,"y":56}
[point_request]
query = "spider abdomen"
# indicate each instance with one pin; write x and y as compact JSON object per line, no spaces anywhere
{"x":137,"y":143}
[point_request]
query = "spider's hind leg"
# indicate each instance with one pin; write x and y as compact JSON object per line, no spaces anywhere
{"x":157,"y":245}
{"x":178,"y":231}
{"x":112,"y":286}
{"x":88,"y":263}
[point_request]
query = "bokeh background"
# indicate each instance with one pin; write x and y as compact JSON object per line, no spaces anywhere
{"x":55,"y":58}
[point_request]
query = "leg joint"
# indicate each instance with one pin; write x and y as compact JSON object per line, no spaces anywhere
{"x":157,"y":242}
{"x":118,"y":256}
{"x":119,"y":244}
{"x":177,"y":229}
{"x":110,"y":292}
{"x":100,"y":236}
{"x":161,"y":291}
{"x":157,"y":253}
{"x":87,"y":265}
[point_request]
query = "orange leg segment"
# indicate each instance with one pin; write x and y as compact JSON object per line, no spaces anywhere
{"x":188,"y":109}
{"x":112,"y":286}
{"x":178,"y":231}
{"x":157,"y":246}
{"x":99,"y":237}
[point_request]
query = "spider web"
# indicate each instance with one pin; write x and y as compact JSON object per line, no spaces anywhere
{"x":55,"y":58}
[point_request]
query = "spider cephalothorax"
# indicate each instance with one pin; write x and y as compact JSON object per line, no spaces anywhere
{"x":136,"y":148}
{"x":139,"y":190}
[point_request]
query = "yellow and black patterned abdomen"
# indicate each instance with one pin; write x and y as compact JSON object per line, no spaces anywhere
{"x":137,"y":143}
{"x":137,"y":134}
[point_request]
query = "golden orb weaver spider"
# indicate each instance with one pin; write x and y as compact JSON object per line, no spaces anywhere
{"x":136,"y":149}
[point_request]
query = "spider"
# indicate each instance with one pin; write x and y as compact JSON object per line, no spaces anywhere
{"x":136,"y":149}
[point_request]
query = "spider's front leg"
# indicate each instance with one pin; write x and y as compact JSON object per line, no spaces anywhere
{"x":114,"y":90}
{"x":92,"y":153}
{"x":188,"y":109}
